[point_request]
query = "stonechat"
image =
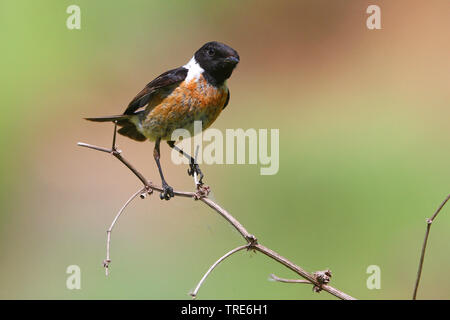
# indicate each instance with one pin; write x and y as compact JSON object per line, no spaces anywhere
{"x":176,"y":99}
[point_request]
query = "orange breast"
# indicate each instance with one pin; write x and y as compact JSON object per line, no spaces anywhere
{"x":191,"y":101}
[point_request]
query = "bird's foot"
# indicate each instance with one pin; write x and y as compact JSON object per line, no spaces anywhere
{"x":194,"y":168}
{"x":167,"y":192}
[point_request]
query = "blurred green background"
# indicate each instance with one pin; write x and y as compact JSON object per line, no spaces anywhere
{"x":364,"y":148}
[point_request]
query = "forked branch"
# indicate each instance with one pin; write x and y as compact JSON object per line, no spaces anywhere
{"x":319,"y":279}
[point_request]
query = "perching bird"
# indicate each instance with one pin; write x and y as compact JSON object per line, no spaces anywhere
{"x":196,"y":91}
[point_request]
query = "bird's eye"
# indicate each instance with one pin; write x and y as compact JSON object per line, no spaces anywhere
{"x":211,"y":52}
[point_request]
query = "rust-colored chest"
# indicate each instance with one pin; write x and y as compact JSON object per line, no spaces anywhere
{"x":193,"y":100}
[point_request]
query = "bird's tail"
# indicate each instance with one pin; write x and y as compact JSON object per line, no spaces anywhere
{"x":128,"y":127}
{"x":119,"y":118}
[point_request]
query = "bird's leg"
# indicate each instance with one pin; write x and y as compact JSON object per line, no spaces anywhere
{"x":193,"y":165}
{"x":167,"y":190}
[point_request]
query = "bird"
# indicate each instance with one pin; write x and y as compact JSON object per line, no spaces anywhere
{"x":196,"y":91}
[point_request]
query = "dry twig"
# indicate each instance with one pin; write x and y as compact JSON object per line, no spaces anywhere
{"x":107,"y":261}
{"x":316,"y":279}
{"x":424,"y":246}
{"x":194,"y":293}
{"x":278,"y":279}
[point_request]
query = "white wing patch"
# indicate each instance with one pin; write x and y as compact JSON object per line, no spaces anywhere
{"x":194,"y":70}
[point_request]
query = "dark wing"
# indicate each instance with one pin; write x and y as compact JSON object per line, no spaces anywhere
{"x":167,"y":79}
{"x":228,"y":99}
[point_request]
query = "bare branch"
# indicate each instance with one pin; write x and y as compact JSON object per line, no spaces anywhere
{"x":304,"y":274}
{"x":424,"y":246}
{"x":107,"y":261}
{"x":239,"y":227}
{"x":194,"y":293}
{"x":117,"y":153}
{"x":278,"y":279}
{"x":201,"y":194}
{"x":147,"y":184}
{"x":113,"y":146}
{"x":86,"y":145}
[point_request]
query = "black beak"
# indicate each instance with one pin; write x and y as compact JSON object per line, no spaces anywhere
{"x":232,"y":60}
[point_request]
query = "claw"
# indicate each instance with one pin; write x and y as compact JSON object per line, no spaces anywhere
{"x":167,"y":192}
{"x":195,"y":168}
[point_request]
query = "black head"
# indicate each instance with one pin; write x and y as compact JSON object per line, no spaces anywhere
{"x":218,"y":60}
